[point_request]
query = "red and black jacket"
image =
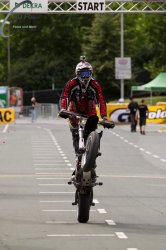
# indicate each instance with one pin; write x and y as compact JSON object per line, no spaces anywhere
{"x":83,"y":100}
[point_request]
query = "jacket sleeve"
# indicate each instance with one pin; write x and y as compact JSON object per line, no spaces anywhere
{"x":65,"y":96}
{"x":101,"y":100}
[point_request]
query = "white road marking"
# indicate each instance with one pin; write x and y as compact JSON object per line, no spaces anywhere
{"x":80,"y":235}
{"x":59,"y":222}
{"x":50,"y":164}
{"x":163,"y":160}
{"x":121,"y":235}
{"x":51,"y":178}
{"x":52,"y":169}
{"x":62,"y":210}
{"x":56,"y":192}
{"x":47,"y":154}
{"x":53,"y":173}
{"x":101,"y":211}
{"x":132,"y":248}
{"x":134,"y":176}
{"x":51,"y":147}
{"x":155,"y":156}
{"x":110,"y":222}
{"x":54,"y":201}
{"x":5,"y":128}
{"x":95,"y":201}
{"x":47,"y":157}
{"x":141,"y":149}
{"x":56,"y":160}
{"x":51,"y":184}
{"x":147,"y":152}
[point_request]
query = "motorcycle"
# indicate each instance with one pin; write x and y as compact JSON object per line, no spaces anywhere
{"x":85,"y":178}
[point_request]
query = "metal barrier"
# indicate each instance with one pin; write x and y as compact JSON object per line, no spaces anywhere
{"x":42,"y":111}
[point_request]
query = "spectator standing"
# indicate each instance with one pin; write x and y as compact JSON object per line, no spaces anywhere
{"x":143,"y":113}
{"x":33,"y":105}
{"x":133,"y":107}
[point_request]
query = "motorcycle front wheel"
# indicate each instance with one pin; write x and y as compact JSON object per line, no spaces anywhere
{"x":91,"y":151}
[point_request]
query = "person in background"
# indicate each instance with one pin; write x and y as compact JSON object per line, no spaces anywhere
{"x":143,"y":113}
{"x":33,"y":105}
{"x":133,"y":107}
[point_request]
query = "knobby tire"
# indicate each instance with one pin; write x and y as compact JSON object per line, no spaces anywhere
{"x":92,"y":147}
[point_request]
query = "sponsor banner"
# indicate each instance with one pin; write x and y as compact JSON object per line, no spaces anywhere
{"x":40,"y":6}
{"x":119,"y":113}
{"x":7,"y":115}
{"x":91,"y":6}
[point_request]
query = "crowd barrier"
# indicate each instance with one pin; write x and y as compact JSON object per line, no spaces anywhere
{"x":119,"y":113}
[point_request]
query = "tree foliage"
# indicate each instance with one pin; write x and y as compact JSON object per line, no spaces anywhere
{"x":49,"y":52}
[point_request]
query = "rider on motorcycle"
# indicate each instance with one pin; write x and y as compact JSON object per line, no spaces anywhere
{"x":80,"y":95}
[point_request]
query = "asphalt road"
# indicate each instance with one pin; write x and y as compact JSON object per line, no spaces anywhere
{"x":36,"y":161}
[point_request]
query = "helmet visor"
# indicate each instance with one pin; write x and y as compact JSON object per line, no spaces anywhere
{"x":85,"y":74}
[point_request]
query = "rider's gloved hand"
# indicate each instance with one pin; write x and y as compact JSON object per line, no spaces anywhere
{"x":62,"y":113}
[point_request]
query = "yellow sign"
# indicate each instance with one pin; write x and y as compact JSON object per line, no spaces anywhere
{"x":119,"y":113}
{"x":7,"y":115}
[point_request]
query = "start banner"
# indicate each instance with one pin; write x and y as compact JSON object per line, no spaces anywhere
{"x":7,"y":115}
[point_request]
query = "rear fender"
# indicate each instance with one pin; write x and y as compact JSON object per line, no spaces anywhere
{"x":86,"y":179}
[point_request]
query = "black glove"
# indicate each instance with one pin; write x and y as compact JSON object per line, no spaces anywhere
{"x":62,"y":113}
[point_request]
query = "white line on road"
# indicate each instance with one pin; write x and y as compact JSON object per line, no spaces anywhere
{"x":147,"y":152}
{"x":53,"y":173}
{"x":155,"y":156}
{"x":56,"y":201}
{"x":51,"y":178}
{"x":50,"y":164}
{"x":163,"y":160}
{"x":49,"y":184}
{"x":59,"y":222}
{"x":110,"y":222}
{"x":101,"y":211}
{"x":43,"y":168}
{"x":141,"y":149}
{"x":56,"y":192}
{"x":47,"y":156}
{"x":80,"y":235}
{"x":121,"y":235}
{"x":5,"y":128}
{"x":132,"y":248}
{"x":95,"y":201}
{"x":62,"y":210}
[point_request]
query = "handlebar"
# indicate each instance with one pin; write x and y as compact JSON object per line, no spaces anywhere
{"x":67,"y":114}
